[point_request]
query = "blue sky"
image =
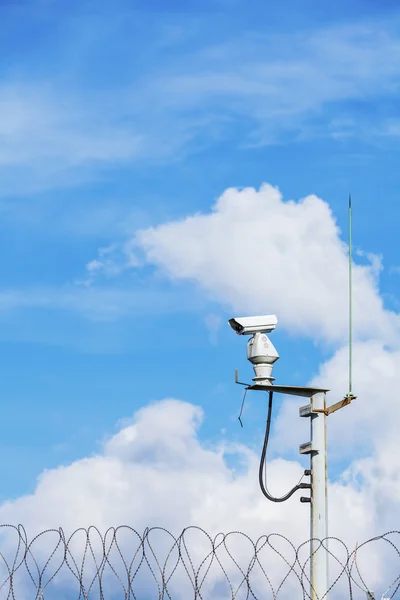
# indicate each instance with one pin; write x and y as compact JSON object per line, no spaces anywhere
{"x":117,"y":117}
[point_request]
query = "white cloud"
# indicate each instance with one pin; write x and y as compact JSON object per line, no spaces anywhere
{"x":111,"y":261}
{"x":94,"y":303}
{"x":156,"y":472}
{"x":38,"y":124}
{"x":357,"y":430}
{"x":295,"y":84}
{"x":61,"y":137}
{"x":257,"y":253}
{"x":94,"y":265}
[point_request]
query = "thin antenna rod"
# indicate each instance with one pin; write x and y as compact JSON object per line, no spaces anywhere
{"x":350,"y":301}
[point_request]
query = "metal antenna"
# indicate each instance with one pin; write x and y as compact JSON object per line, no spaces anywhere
{"x":350,"y":300}
{"x":350,"y":395}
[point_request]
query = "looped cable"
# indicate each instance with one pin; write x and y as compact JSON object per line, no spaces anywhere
{"x":264,"y":489}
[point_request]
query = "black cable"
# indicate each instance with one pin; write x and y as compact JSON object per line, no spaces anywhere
{"x":242,"y":407}
{"x":299,"y":486}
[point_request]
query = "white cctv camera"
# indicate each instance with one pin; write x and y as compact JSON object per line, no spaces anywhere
{"x":252,"y":325}
{"x":260,"y":351}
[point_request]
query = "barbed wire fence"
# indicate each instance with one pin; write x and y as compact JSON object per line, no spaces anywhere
{"x":122,"y":563}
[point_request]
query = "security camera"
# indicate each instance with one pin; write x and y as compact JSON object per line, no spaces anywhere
{"x":260,"y":351}
{"x":252,"y":325}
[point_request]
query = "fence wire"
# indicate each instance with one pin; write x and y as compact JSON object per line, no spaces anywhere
{"x":125,"y":564}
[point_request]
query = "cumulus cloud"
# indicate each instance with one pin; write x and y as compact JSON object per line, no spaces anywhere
{"x":155,"y":470}
{"x":374,"y":415}
{"x":257,"y":253}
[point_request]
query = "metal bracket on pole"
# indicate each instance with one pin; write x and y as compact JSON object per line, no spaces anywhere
{"x":307,"y":411}
{"x":237,"y":379}
{"x":306,"y":448}
{"x":341,"y":404}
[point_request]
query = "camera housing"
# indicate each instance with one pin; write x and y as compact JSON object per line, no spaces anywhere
{"x":262,"y":354}
{"x":252,"y":325}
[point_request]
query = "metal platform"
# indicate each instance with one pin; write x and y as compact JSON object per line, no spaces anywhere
{"x":290,"y":390}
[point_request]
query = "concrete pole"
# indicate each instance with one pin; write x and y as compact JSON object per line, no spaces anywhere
{"x":319,"y":503}
{"x":316,"y":448}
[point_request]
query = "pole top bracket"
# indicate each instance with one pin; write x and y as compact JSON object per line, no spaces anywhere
{"x":338,"y":405}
